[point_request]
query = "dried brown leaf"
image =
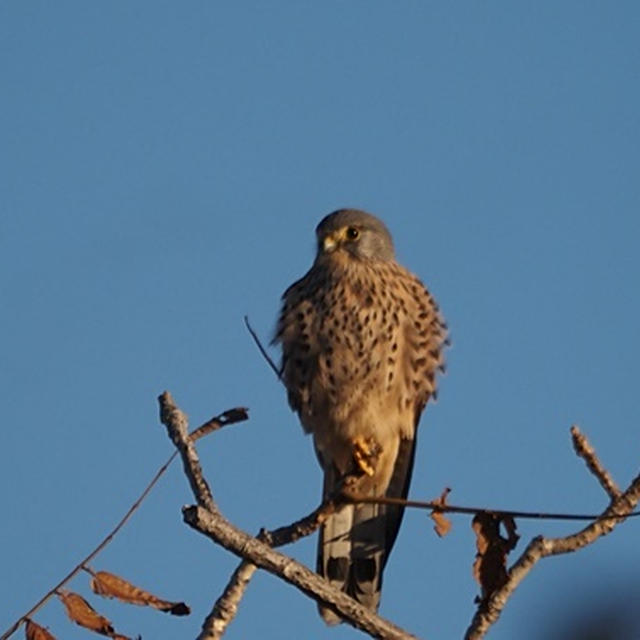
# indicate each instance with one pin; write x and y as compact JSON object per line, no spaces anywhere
{"x":34,"y":631}
{"x":83,"y":614}
{"x":490,"y":566}
{"x":442,"y":523}
{"x":110,"y":585}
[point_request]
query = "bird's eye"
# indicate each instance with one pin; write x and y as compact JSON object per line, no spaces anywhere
{"x":353,"y":233}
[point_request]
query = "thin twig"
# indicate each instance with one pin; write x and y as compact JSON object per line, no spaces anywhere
{"x":434,"y":505}
{"x":301,"y":528}
{"x":263,"y":351}
{"x":584,"y":449}
{"x":93,"y":554}
{"x":228,"y":417}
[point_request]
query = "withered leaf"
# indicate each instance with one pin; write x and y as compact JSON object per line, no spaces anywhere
{"x":34,"y":631}
{"x":442,"y":524}
{"x":110,"y":585}
{"x":490,"y":566}
{"x":83,"y":614}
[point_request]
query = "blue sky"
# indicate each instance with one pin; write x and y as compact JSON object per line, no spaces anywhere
{"x":163,"y":167}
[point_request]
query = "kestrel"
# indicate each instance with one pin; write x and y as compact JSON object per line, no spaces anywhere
{"x":362,"y":341}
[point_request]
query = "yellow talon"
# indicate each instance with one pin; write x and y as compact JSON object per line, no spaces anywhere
{"x":365,"y":454}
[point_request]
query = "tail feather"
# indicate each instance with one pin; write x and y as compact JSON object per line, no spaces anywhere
{"x":355,"y":542}
{"x":351,"y":554}
{"x":368,"y":555}
{"x":334,"y":554}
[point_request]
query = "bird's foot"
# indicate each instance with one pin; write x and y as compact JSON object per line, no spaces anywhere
{"x":365,"y":454}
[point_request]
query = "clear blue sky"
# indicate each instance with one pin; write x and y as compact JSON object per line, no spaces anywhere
{"x":163,"y":167}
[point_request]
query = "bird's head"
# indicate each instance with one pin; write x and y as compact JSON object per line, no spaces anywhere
{"x":355,"y":232}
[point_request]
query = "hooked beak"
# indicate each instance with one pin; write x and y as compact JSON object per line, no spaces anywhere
{"x":330,"y":243}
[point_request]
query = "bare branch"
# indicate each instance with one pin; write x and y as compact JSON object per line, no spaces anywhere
{"x":243,"y":545}
{"x":588,"y":454}
{"x":301,"y":528}
{"x":207,"y":519}
{"x":177,"y":427}
{"x":540,"y":547}
{"x":226,"y":606}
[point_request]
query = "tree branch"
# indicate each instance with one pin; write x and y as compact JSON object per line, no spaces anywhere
{"x":621,"y":506}
{"x":245,"y":546}
{"x":207,"y":519}
{"x":226,"y":606}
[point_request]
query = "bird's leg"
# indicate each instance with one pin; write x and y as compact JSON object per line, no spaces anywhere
{"x":365,"y":454}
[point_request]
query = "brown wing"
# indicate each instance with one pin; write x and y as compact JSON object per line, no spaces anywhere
{"x":426,"y":335}
{"x":294,"y":332}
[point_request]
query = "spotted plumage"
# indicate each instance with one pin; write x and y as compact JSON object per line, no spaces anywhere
{"x":362,"y":342}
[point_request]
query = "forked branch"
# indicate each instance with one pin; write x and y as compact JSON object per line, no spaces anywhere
{"x":621,"y":506}
{"x":207,"y":519}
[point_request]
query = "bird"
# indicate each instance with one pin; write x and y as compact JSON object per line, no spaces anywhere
{"x":362,"y":341}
